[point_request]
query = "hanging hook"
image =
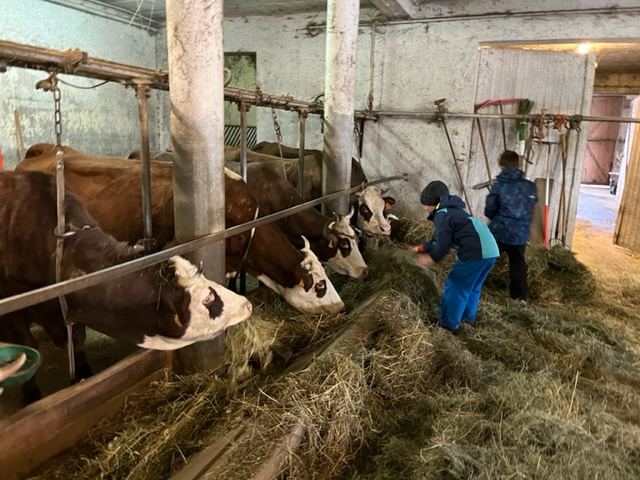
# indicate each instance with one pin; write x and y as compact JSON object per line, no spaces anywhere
{"x":49,"y":84}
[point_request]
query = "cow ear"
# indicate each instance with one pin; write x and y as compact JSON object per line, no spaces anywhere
{"x":306,"y":280}
{"x":176,"y":300}
{"x":388,"y":202}
{"x":329,"y":234}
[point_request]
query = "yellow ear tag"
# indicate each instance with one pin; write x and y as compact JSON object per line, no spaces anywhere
{"x":387,"y":206}
{"x":301,"y":283}
{"x":177,"y":321}
{"x":330,"y":244}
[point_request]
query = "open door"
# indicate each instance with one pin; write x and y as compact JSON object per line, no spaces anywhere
{"x":627,"y":231}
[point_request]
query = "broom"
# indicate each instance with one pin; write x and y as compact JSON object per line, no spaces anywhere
{"x":524,"y":108}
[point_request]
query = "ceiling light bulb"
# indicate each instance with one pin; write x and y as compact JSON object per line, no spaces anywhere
{"x":584,"y":48}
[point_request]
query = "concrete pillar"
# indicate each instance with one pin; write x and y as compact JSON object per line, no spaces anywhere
{"x":196,"y":83}
{"x":340,"y":80}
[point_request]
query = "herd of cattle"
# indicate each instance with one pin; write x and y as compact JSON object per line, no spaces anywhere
{"x":171,"y":304}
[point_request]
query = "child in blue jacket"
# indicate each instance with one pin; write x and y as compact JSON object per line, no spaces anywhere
{"x":476,"y":250}
{"x":510,"y":205}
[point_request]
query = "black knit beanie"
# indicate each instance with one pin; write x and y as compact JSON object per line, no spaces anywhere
{"x":432,"y":192}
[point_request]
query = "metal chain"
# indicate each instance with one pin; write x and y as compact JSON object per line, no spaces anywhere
{"x":276,"y":127}
{"x":57,"y":117}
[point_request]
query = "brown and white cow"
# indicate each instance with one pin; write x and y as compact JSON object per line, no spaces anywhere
{"x":333,"y":240}
{"x":164,"y":306}
{"x":371,"y":207}
{"x":110,"y":189}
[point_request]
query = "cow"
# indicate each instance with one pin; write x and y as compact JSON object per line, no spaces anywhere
{"x":110,"y":189}
{"x":162,"y":307}
{"x":332,"y":240}
{"x":159,"y":155}
{"x":370,"y":207}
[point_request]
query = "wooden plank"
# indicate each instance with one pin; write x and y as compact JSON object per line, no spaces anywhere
{"x":199,"y":464}
{"x":45,"y":428}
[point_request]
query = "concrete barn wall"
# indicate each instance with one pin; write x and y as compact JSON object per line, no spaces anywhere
{"x":415,"y":64}
{"x":102,"y":121}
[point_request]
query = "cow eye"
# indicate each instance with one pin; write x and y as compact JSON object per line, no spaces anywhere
{"x":213,"y":303}
{"x":344,"y":244}
{"x":211,"y":297}
{"x":321,"y":288}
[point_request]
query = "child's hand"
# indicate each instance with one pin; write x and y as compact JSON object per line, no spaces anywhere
{"x":425,"y":260}
{"x":412,"y":248}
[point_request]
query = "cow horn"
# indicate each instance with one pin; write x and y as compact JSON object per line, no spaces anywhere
{"x":13,"y":367}
{"x":351,"y":211}
{"x":332,"y":224}
{"x":307,"y":245}
{"x":200,"y":268}
{"x":382,"y":192}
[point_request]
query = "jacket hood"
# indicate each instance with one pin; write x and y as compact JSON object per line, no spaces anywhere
{"x":448,"y":201}
{"x":509,"y":175}
{"x":451,"y":201}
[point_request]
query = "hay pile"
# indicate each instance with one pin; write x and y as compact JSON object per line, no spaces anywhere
{"x":542,"y":390}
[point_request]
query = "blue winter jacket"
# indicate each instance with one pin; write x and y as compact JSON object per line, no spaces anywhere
{"x":455,"y":228}
{"x":510,"y":206}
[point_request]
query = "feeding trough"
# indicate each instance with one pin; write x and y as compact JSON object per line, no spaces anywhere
{"x":17,"y":364}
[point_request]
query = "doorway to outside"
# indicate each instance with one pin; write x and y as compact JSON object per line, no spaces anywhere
{"x":606,"y":153}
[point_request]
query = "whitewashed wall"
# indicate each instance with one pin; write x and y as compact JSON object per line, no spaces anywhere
{"x":415,"y":64}
{"x":103,"y":121}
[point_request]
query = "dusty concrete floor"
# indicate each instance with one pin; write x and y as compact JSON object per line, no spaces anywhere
{"x":597,"y":208}
{"x":616,"y":270}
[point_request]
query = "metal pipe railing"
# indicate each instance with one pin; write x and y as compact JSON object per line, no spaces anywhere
{"x":374,"y":115}
{"x":27,"y":299}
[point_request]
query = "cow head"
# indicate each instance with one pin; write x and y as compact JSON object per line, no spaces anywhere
{"x":346,"y":258}
{"x":202,"y":309}
{"x":314,"y":293}
{"x":163,"y":308}
{"x":372,"y":206}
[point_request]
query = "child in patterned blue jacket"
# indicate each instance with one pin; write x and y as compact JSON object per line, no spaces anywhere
{"x":510,"y":205}
{"x":475,"y":247}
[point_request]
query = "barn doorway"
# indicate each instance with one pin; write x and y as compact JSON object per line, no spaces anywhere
{"x":604,"y":139}
{"x":606,"y":159}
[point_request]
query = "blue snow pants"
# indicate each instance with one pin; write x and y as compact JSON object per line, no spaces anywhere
{"x":462,"y":292}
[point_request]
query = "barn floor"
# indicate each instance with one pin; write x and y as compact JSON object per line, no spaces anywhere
{"x":596,"y":215}
{"x":614,"y":268}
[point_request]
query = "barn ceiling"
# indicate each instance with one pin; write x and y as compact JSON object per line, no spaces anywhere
{"x":611,"y":57}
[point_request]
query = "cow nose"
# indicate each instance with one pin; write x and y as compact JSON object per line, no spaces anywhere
{"x":364,"y":272}
{"x":385,"y":229}
{"x":249,"y":307}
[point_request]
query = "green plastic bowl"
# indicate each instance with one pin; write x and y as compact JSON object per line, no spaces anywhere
{"x":9,"y":353}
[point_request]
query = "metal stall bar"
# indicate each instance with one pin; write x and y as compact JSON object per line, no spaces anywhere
{"x":242,"y":106}
{"x":27,"y":299}
{"x":434,"y":115}
{"x":142,"y":94}
{"x":77,"y":62}
{"x":303,"y":117}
